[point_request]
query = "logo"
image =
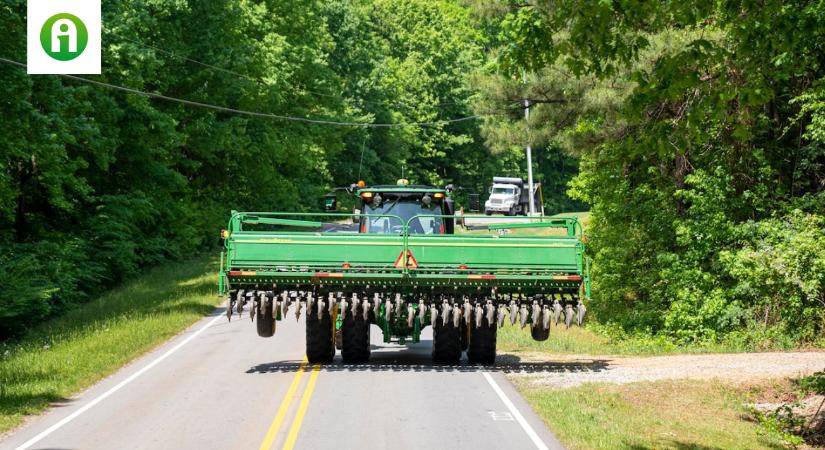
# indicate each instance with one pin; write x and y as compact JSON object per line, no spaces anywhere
{"x":64,"y":37}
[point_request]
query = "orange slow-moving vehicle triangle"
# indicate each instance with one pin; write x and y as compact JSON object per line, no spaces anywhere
{"x":410,"y":262}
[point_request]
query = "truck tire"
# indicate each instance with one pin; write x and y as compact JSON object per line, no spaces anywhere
{"x":446,"y":343}
{"x":320,"y":338}
{"x":355,"y":334}
{"x":264,"y":319}
{"x":512,"y":211}
{"x":487,"y":212}
{"x":482,"y":349}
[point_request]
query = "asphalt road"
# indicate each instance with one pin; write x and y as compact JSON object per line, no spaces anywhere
{"x":219,"y":386}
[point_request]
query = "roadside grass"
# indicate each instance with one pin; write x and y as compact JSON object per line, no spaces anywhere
{"x":591,"y":339}
{"x":576,"y":340}
{"x":651,"y":415}
{"x":70,"y":353}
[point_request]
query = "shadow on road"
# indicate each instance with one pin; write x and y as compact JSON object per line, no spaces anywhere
{"x":402,"y":361}
{"x":680,"y":445}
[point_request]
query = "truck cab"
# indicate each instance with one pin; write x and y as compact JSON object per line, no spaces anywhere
{"x":386,"y":209}
{"x":504,"y":198}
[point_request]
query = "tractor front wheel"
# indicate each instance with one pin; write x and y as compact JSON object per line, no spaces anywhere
{"x":320,"y":338}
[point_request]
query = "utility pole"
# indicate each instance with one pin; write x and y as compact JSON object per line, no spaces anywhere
{"x":529,"y":148}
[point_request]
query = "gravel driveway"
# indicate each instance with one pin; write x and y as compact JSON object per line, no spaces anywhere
{"x":566,"y":371}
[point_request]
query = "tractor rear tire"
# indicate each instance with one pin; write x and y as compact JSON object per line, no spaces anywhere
{"x":355,"y":333}
{"x":482,"y":349}
{"x":465,"y":335}
{"x":264,"y":319}
{"x":446,"y":343}
{"x":320,"y":338}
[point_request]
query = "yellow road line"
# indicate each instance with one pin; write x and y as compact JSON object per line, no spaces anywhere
{"x":299,"y":417}
{"x":279,"y":417}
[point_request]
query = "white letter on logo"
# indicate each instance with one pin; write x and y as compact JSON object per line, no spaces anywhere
{"x":64,"y":27}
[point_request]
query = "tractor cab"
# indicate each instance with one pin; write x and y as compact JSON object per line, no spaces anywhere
{"x":386,"y":209}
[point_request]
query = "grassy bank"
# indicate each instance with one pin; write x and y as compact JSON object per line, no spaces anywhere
{"x":659,"y":415}
{"x":591,"y":340}
{"x":70,"y":353}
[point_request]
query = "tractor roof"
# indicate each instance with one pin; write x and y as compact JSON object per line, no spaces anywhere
{"x":392,"y":188}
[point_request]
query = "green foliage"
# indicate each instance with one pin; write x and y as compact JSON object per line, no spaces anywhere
{"x":96,"y":185}
{"x":792,"y":422}
{"x":406,"y":61}
{"x":43,"y":278}
{"x":780,"y":273}
{"x":782,"y":424}
{"x":814,"y":384}
{"x":694,"y":130}
{"x":707,"y":176}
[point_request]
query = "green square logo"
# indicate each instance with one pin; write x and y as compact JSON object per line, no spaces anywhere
{"x":64,"y":37}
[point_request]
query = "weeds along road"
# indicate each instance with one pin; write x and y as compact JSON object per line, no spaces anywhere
{"x":219,"y":386}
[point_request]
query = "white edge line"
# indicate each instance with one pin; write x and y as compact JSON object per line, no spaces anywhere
{"x":519,"y":418}
{"x":114,"y":389}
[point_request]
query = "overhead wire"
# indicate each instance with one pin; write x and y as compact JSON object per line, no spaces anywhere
{"x":256,"y":113}
{"x":260,"y":81}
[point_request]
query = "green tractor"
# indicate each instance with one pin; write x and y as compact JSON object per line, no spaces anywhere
{"x":398,"y":263}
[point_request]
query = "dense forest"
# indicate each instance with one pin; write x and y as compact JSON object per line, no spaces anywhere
{"x":693,"y":131}
{"x":97,"y":184}
{"x":701,"y":131}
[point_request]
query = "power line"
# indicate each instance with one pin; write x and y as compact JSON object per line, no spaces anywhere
{"x":209,"y":66}
{"x":259,"y":114}
{"x":259,"y":81}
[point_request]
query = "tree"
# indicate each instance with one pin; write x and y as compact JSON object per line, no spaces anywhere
{"x":713,"y":129}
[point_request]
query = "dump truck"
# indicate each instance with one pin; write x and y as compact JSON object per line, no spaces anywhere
{"x":511,"y":196}
{"x":399,"y":262}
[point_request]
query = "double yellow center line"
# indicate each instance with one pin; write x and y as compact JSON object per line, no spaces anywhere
{"x":289,"y":444}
